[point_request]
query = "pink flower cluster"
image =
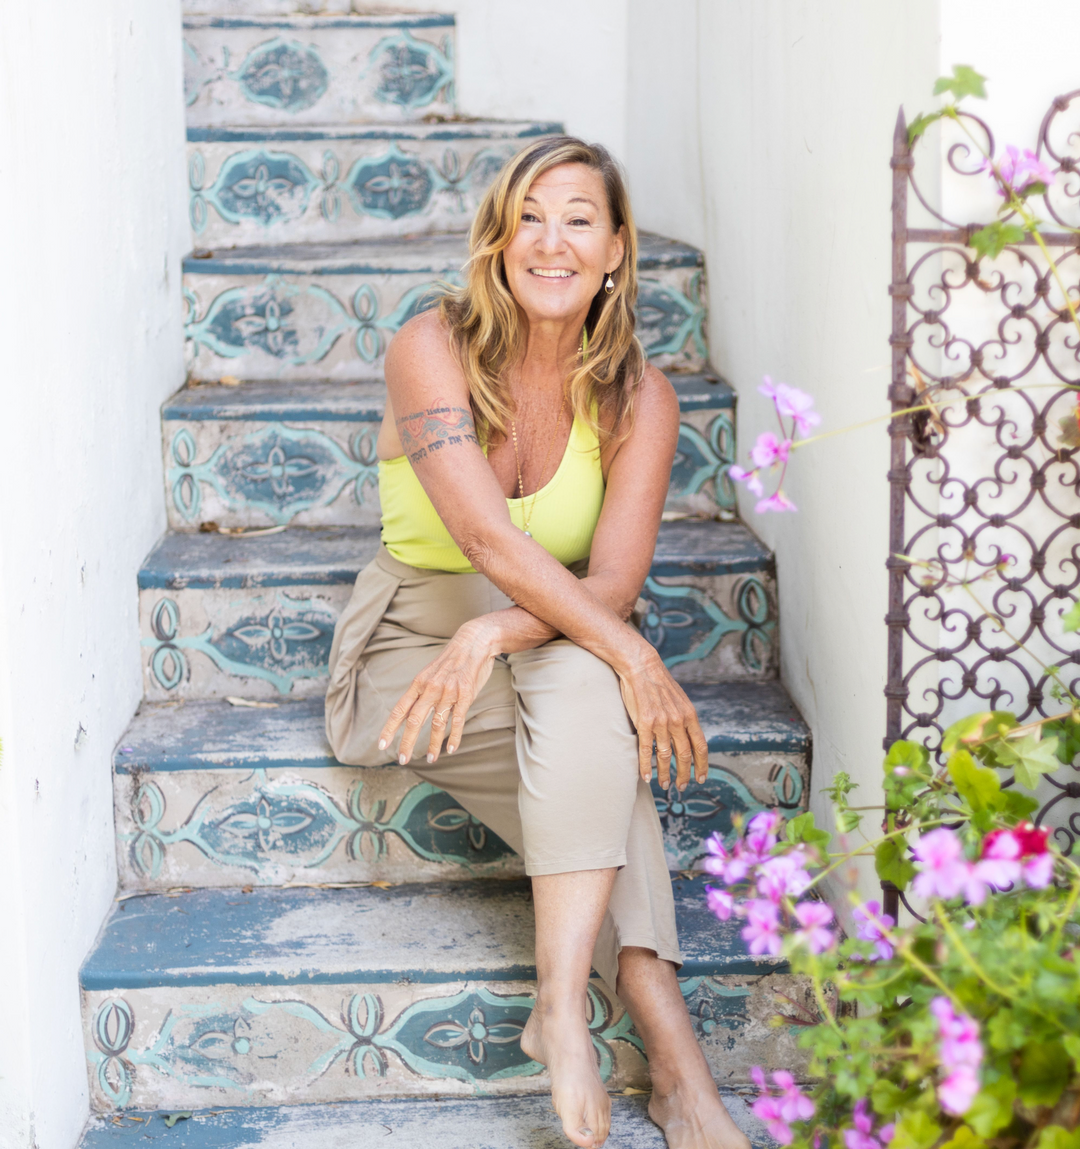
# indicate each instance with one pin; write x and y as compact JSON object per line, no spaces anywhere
{"x":1019,"y":171}
{"x":771,"y":451}
{"x":779,"y":1109}
{"x":1008,"y":857}
{"x":774,"y":879}
{"x":862,"y":1136}
{"x":961,"y":1055}
{"x":871,"y":926}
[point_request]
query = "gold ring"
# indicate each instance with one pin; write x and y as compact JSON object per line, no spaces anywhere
{"x":440,"y":713}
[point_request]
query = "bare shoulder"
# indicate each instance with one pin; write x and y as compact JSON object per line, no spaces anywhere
{"x":656,"y":396}
{"x":423,"y":340}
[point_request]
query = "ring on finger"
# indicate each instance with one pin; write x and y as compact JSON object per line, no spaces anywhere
{"x":663,"y":751}
{"x":443,"y":713}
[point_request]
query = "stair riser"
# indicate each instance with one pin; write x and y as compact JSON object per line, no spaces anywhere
{"x":318,"y":71}
{"x":268,"y":642}
{"x":256,"y":473}
{"x":231,"y":827}
{"x":186,"y":1047}
{"x":258,"y":191}
{"x":297,"y":326}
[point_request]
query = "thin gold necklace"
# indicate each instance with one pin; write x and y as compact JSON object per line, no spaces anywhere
{"x":583,"y":351}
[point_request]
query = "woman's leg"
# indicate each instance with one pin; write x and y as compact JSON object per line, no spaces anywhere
{"x":569,"y":909}
{"x":684,"y":1103}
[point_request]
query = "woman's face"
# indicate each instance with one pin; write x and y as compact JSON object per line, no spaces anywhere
{"x":564,"y":246}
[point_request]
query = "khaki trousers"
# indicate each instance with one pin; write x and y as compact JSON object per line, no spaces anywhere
{"x":548,"y":759}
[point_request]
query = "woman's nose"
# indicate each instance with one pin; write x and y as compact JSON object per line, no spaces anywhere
{"x":552,"y":238}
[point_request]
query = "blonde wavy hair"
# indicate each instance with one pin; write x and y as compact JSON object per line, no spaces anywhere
{"x":487,"y":327}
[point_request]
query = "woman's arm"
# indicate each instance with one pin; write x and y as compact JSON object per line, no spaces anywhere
{"x":429,"y":396}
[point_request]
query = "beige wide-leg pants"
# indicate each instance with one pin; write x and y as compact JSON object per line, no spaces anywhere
{"x":548,"y":759}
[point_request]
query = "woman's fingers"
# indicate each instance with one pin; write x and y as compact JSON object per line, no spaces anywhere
{"x":414,"y":720}
{"x":700,"y":746}
{"x":663,"y":756}
{"x":398,"y":714}
{"x":440,"y":720}
{"x":684,"y":756}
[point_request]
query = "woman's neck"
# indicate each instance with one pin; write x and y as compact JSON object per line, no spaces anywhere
{"x":551,"y":352}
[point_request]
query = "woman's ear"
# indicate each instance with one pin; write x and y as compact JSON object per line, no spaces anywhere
{"x":618,"y":250}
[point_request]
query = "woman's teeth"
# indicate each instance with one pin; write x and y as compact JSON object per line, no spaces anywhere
{"x":551,"y":273}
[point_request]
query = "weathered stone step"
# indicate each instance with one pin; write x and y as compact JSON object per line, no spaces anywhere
{"x":477,"y":1123}
{"x":317,"y":312}
{"x":273,"y":997}
{"x":208,"y":794}
{"x":343,"y":184}
{"x":268,"y":453}
{"x":223,"y":615}
{"x":336,"y":68}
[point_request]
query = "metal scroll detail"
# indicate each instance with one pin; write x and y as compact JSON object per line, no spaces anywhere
{"x":985,"y":484}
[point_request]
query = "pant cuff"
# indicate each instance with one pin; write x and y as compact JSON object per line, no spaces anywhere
{"x":574,"y":865}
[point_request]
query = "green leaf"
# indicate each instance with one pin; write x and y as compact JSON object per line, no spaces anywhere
{"x":1058,"y":1137}
{"x":1018,"y":806}
{"x":964,"y":1138}
{"x":915,"y":1130}
{"x":919,"y":125}
{"x":892,"y":863}
{"x":172,"y":1118}
{"x":1044,"y":1072}
{"x":886,"y":1097}
{"x":1072,"y":1047}
{"x":801,"y":828}
{"x":907,"y":771}
{"x":991,"y":241}
{"x":847,"y":820}
{"x":977,"y":785}
{"x":992,"y":1108}
{"x":973,"y":728}
{"x":1070,"y":620}
{"x":964,"y":81}
{"x":1031,"y":757}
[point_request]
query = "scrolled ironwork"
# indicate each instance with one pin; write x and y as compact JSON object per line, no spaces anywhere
{"x":985,"y":477}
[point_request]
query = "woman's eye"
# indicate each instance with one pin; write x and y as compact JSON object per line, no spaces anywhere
{"x":583,"y":222}
{"x":528,"y":217}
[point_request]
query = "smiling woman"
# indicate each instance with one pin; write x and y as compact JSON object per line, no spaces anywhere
{"x":524,"y":460}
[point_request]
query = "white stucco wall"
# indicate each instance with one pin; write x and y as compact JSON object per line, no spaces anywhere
{"x":92,"y":198}
{"x":787,"y":187}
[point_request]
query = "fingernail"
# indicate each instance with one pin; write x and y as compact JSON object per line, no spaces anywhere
{"x":450,"y":749}
{"x":430,"y":758}
{"x":402,"y":760}
{"x":382,"y":743}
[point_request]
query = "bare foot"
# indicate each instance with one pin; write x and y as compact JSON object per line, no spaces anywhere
{"x":695,"y":1119}
{"x":559,"y":1038}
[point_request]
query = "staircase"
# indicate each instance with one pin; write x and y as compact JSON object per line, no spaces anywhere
{"x":309,"y":953}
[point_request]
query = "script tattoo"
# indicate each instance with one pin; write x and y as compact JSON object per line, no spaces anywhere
{"x":425,"y":432}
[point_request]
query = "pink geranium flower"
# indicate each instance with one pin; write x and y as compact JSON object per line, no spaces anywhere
{"x":961,"y":1055}
{"x":780,"y":1110}
{"x":741,"y":475}
{"x":769,"y":450}
{"x":783,"y":876}
{"x":945,"y":871}
{"x":762,"y":930}
{"x":792,"y":403}
{"x":870,"y":924}
{"x":721,"y":903}
{"x":861,"y":1137}
{"x":1020,"y":170}
{"x":775,"y":502}
{"x":814,"y":917}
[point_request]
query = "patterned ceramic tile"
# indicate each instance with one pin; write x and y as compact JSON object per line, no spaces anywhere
{"x":317,"y":69}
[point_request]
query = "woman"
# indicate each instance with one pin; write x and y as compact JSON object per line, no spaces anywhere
{"x":524,"y":460}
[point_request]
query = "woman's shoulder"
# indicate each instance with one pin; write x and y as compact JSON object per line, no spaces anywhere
{"x":426,"y":331}
{"x":654,"y":399}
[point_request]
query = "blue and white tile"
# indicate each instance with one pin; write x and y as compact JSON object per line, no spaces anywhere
{"x":266,"y":69}
{"x":314,"y":312}
{"x":279,"y":996}
{"x":207,"y":794}
{"x":264,"y":454}
{"x":343,"y":184}
{"x":223,"y":615}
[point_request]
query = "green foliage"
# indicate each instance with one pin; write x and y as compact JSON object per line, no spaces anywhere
{"x":964,"y":81}
{"x":991,"y":241}
{"x":1070,"y":620}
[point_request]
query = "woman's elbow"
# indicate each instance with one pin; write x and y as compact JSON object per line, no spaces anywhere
{"x":479,"y":550}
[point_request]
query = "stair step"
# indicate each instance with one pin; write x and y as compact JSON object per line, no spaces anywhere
{"x":304,"y":453}
{"x":344,"y":183}
{"x":292,"y":69}
{"x":481,"y":1123}
{"x":208,"y":794}
{"x":326,"y":312}
{"x":224,"y":615}
{"x":221,"y":997}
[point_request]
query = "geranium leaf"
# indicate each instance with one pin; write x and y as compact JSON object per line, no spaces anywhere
{"x":919,"y":125}
{"x":892,"y":863}
{"x":1034,"y":757}
{"x":1044,"y":1072}
{"x":976,"y":784}
{"x":964,"y":81}
{"x":1058,"y":1137}
{"x":991,"y":241}
{"x":915,"y":1130}
{"x":1070,"y":620}
{"x":992,"y":1108}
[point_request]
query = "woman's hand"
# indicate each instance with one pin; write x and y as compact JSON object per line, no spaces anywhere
{"x":449,"y":685}
{"x":661,"y":712}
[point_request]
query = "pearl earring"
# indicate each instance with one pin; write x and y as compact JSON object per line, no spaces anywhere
{"x":609,"y":287}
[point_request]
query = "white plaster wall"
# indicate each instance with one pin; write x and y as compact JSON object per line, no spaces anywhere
{"x":94,"y":226}
{"x":788,"y":186}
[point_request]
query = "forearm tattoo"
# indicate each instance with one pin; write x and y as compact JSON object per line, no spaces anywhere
{"x":425,"y":432}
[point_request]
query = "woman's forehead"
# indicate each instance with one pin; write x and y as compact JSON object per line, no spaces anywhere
{"x":568,"y":181}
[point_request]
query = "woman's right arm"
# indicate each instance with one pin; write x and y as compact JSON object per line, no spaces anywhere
{"x":430,"y":399}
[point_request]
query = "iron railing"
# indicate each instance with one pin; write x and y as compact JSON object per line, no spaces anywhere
{"x":984,"y":532}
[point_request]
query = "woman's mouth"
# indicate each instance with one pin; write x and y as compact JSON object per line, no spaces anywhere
{"x":551,"y":272}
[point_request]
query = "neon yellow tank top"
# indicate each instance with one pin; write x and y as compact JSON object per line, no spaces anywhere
{"x":563,"y":518}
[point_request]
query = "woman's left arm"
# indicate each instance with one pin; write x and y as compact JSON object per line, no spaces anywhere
{"x":638,"y":473}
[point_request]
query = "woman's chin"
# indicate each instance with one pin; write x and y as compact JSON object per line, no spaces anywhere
{"x":554,"y":310}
